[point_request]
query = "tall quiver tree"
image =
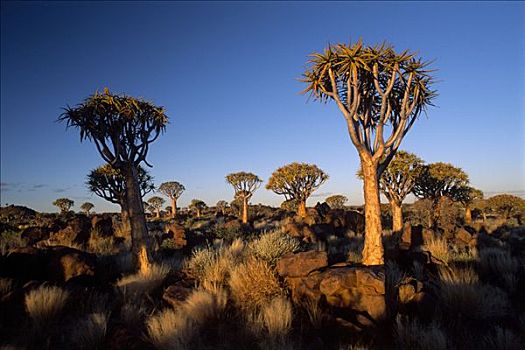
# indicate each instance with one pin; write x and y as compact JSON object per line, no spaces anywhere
{"x":122,"y":129}
{"x":173,"y":191}
{"x":437,"y":181}
{"x":469,"y":196}
{"x":397,"y":181}
{"x":297,"y":181}
{"x":380,"y":93}
{"x":244,"y":185}
{"x":109,"y":183}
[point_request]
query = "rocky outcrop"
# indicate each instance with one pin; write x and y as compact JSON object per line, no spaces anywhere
{"x":102,"y":225}
{"x":77,"y":230}
{"x":301,"y":264}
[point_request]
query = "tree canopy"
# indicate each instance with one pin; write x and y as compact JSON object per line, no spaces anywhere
{"x":64,"y":204}
{"x":109,"y":183}
{"x":337,"y":201}
{"x":86,"y":207}
{"x":244,"y":184}
{"x":507,"y":205}
{"x":172,"y":189}
{"x":441,"y":180}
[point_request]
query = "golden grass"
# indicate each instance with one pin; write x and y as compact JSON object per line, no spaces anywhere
{"x":144,"y":281}
{"x":45,"y":304}
{"x":438,"y":247}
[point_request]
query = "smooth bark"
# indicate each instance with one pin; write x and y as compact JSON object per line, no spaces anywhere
{"x":301,"y":208}
{"x":397,"y":216}
{"x":173,"y":207}
{"x":373,"y":245}
{"x":468,"y":215}
{"x":139,"y":231}
{"x":245,"y":210}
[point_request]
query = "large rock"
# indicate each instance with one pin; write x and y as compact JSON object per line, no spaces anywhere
{"x":102,"y":225}
{"x":176,"y":232}
{"x":301,"y":264}
{"x":33,"y":234}
{"x":77,"y":230}
{"x":64,"y":263}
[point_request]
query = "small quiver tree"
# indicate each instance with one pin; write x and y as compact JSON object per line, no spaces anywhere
{"x":122,"y":128}
{"x":337,"y":201}
{"x":507,"y":206}
{"x":221,"y":206}
{"x":297,"y":181}
{"x":156,"y":204}
{"x":244,"y":185}
{"x":173,"y":190}
{"x":64,"y":204}
{"x":86,"y":207}
{"x":468,"y":198}
{"x":197,"y":206}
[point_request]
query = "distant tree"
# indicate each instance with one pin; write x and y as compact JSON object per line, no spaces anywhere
{"x":297,"y":181}
{"x":397,"y":181}
{"x":109,"y":183}
{"x":377,"y":90}
{"x":86,"y":207}
{"x":507,"y":205}
{"x":337,"y":201}
{"x":244,"y":185}
{"x":173,"y":191}
{"x":221,"y":206}
{"x":438,"y":180}
{"x":468,"y":198}
{"x":198,"y":206}
{"x":156,"y":204}
{"x":122,"y":129}
{"x":64,"y":204}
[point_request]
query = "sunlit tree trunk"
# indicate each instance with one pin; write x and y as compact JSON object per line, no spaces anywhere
{"x":198,"y":213}
{"x":301,"y":208}
{"x":397,"y":216}
{"x":174,"y":207}
{"x":468,"y":215}
{"x":373,"y":245}
{"x":245,"y":210}
{"x":139,"y":231}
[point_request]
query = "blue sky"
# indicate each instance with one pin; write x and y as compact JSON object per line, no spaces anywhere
{"x":227,"y":74}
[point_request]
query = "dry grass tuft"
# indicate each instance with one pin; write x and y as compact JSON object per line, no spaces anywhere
{"x":144,"y":282}
{"x":413,"y":335}
{"x":270,"y":247}
{"x":90,"y":331}
{"x":175,"y":329}
{"x":45,"y":304}
{"x":276,"y":317}
{"x":6,"y":286}
{"x":461,"y":294}
{"x":498,"y":264}
{"x":253,"y":284}
{"x":438,"y":247}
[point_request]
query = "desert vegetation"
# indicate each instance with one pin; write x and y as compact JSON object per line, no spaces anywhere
{"x":443,"y":272}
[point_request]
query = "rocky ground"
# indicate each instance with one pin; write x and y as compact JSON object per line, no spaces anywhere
{"x":280,"y":282}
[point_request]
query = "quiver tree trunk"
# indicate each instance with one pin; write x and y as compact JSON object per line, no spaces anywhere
{"x":125,"y":226}
{"x":468,"y":215}
{"x":373,"y":245}
{"x":301,"y":208}
{"x":397,"y":216}
{"x":174,"y":207}
{"x":139,"y":231}
{"x":245,"y":210}
{"x":436,"y":213}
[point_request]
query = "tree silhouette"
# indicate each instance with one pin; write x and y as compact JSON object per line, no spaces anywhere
{"x":378,"y":91}
{"x":221,"y":205}
{"x":122,"y":129}
{"x":86,"y":207}
{"x":197,"y":205}
{"x":156,"y":204}
{"x":173,"y":191}
{"x":337,"y":201}
{"x":297,"y":181}
{"x":244,"y":185}
{"x":397,"y":181}
{"x":438,"y":180}
{"x":109,"y":184}
{"x":64,"y":204}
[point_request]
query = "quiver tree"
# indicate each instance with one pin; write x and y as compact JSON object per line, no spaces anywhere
{"x":64,"y":204}
{"x":439,"y":180}
{"x":221,"y":206}
{"x":380,"y":93}
{"x":86,"y":207}
{"x":469,"y":196}
{"x":297,"y":181}
{"x":109,"y":183}
{"x":198,"y":206}
{"x":244,"y":185}
{"x":508,"y":206}
{"x":156,"y":204}
{"x":397,"y":181}
{"x":122,"y":129}
{"x":173,"y":191}
{"x":337,"y":201}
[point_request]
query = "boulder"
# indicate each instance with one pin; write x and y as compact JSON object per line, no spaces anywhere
{"x":293,"y":229}
{"x":77,"y":230}
{"x":102,"y":225}
{"x":34,"y":234}
{"x":462,"y":236}
{"x":64,"y":263}
{"x":176,"y":232}
{"x":301,"y":264}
